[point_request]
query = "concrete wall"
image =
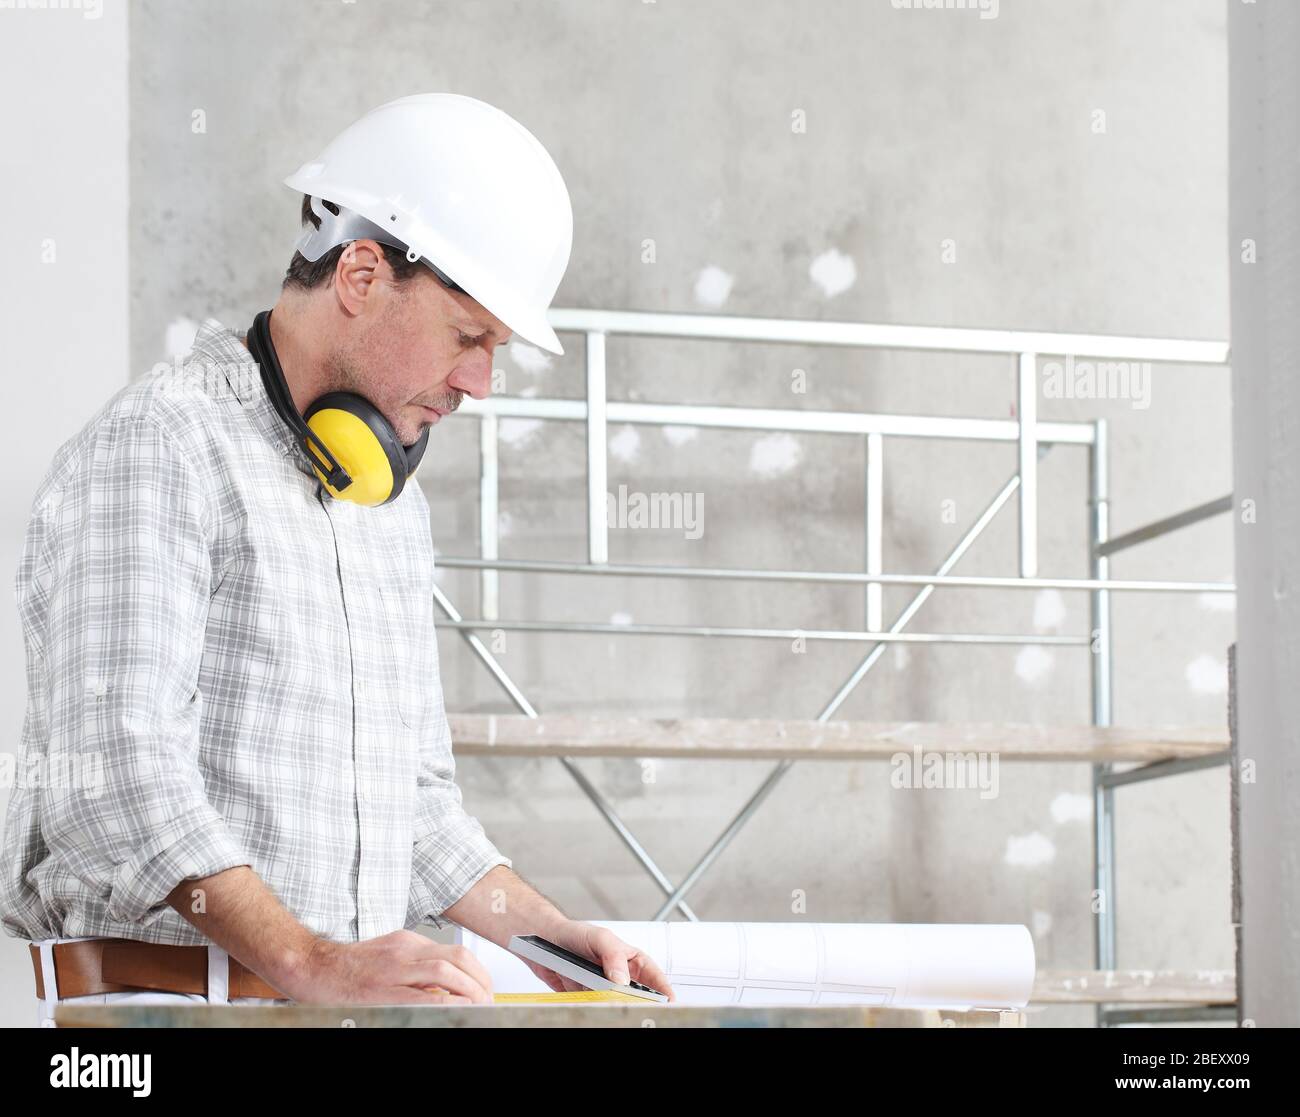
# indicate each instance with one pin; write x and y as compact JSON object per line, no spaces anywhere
{"x":673,"y":123}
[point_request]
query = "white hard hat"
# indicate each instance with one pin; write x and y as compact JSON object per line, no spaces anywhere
{"x":460,"y":184}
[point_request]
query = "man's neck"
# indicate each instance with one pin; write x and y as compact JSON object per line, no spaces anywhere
{"x":301,"y":362}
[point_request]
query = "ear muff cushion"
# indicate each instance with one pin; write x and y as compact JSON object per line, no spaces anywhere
{"x":365,"y":444}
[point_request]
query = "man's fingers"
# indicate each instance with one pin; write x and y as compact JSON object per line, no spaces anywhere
{"x":613,"y":959}
{"x":464,"y":959}
{"x":623,"y":963}
{"x":552,"y":980}
{"x":459,"y":956}
{"x":447,"y":976}
{"x":612,"y":954}
{"x":647,"y":972}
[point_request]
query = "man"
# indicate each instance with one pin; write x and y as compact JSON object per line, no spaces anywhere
{"x":239,"y":778}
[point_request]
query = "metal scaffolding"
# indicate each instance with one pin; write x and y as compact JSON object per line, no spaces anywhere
{"x":1033,"y":438}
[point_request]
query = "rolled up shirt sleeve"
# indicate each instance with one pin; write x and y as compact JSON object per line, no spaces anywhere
{"x":452,"y":852}
{"x":129,"y":601}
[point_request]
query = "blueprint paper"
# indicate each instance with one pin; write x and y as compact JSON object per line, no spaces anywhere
{"x":905,"y":965}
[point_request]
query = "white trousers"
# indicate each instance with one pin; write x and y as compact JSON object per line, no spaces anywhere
{"x":218,"y":984}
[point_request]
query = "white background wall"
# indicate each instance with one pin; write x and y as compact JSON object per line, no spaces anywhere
{"x":63,"y":177}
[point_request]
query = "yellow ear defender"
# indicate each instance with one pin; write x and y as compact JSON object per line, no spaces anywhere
{"x":353,"y":448}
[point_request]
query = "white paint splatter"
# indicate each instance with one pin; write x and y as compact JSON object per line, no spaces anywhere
{"x":1217,"y":602}
{"x":1049,"y":610}
{"x":621,"y":618}
{"x":1207,"y":675}
{"x":1029,"y":851}
{"x":900,"y":657}
{"x":180,"y":337}
{"x":775,"y":454}
{"x":528,"y":393}
{"x":514,"y":430}
{"x":833,"y":272}
{"x":680,"y":435}
{"x":713,"y":286}
{"x":1040,"y":923}
{"x":626,"y":444}
{"x":505,"y":524}
{"x":528,"y":357}
{"x":1069,"y":806}
{"x":1033,"y":664}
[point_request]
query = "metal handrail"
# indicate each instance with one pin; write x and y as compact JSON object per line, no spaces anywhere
{"x":830,"y":577}
{"x":868,"y":335}
{"x":812,"y":634}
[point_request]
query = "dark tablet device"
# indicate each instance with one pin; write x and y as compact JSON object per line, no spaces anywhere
{"x":575,"y":967}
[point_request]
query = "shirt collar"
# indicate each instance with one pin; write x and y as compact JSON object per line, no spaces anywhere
{"x":224,"y":346}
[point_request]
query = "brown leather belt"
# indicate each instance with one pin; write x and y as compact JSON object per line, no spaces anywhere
{"x":125,"y":966}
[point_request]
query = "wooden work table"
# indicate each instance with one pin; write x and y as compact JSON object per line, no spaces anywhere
{"x":523,"y":1016}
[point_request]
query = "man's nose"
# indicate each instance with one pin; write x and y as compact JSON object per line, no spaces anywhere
{"x":473,"y":375}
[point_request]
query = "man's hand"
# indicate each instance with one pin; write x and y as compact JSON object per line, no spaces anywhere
{"x":241,"y":914}
{"x":398,"y":968}
{"x":618,"y":959}
{"x":527,"y":912}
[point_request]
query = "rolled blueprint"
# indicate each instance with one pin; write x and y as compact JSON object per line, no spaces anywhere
{"x":906,"y":965}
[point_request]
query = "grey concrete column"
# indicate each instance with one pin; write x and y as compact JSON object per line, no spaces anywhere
{"x":1264,"y":227}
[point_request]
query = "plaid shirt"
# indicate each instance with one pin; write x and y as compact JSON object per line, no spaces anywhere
{"x":226,"y":666}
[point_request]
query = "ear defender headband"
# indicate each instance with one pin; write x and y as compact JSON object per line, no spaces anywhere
{"x":353,"y":448}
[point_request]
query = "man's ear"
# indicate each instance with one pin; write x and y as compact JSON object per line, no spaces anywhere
{"x":360,"y":264}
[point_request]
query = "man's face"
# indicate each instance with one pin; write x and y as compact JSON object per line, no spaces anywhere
{"x":416,"y":349}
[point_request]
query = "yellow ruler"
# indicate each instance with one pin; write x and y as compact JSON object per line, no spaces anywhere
{"x":585,"y":997}
{"x":582,"y":997}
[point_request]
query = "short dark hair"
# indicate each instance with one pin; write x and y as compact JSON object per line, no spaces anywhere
{"x":306,"y":274}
